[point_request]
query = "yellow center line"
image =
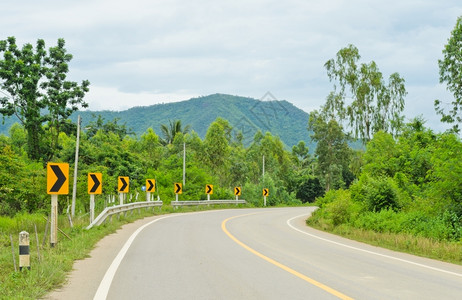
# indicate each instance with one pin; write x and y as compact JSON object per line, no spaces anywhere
{"x":278,"y":264}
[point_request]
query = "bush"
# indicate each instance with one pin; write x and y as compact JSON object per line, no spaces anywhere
{"x":383,"y":221}
{"x":310,"y":190}
{"x":447,"y":226}
{"x":376,"y":193}
{"x":337,"y":208}
{"x":329,"y":197}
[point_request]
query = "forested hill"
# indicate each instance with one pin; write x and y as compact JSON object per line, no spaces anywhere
{"x":248,"y":115}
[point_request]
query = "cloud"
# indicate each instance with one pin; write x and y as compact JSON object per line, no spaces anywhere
{"x":109,"y":98}
{"x":148,"y":51}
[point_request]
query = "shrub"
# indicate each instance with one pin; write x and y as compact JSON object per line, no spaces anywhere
{"x":376,"y":193}
{"x":310,"y":190}
{"x":337,"y":208}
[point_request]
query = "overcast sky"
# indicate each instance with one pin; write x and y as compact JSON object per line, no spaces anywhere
{"x":140,"y":52}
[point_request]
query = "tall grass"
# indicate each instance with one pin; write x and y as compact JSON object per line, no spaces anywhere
{"x":50,"y":272}
{"x":404,"y":242}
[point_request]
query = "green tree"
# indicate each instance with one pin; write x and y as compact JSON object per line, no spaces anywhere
{"x":113,"y":126}
{"x":446,"y":172}
{"x":37,"y":91}
{"x":19,"y":182}
{"x":450,"y":73}
{"x":18,"y":137}
{"x":216,"y":147}
{"x":375,"y":105}
{"x":332,"y":151}
{"x":149,"y":148}
{"x":301,"y":153}
{"x":62,"y":97}
{"x":169,"y":131}
{"x":310,"y":190}
{"x":20,"y":72}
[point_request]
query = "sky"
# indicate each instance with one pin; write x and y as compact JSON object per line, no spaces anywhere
{"x":144,"y":52}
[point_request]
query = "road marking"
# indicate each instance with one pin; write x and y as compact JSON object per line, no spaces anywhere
{"x":370,"y":252}
{"x":105,"y":284}
{"x":278,"y":264}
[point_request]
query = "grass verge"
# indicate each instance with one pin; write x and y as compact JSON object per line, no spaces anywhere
{"x":50,"y":272}
{"x":440,"y":250}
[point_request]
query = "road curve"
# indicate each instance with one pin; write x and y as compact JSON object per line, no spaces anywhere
{"x":263,"y":254}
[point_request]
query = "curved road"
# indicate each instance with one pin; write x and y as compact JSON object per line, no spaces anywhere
{"x":261,"y":254}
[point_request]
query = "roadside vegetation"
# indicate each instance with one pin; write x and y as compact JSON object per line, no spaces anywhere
{"x":407,"y":193}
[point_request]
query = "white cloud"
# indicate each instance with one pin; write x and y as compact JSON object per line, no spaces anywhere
{"x":143,"y":52}
{"x":109,"y":98}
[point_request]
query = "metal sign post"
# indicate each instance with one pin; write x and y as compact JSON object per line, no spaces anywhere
{"x":150,"y":187}
{"x":92,"y":208}
{"x":57,"y":184}
{"x":265,"y":193}
{"x":178,"y":190}
{"x":209,"y":191}
{"x":54,"y":221}
{"x":95,"y":187}
{"x":123,"y":187}
{"x":237,"y":192}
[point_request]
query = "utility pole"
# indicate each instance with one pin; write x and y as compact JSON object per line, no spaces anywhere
{"x":184,"y":164}
{"x":74,"y":187}
{"x":263,"y":166}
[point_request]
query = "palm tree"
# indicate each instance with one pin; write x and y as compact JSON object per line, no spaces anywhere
{"x":169,"y":132}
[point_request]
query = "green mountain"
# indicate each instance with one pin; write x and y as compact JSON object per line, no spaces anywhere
{"x":247,"y":115}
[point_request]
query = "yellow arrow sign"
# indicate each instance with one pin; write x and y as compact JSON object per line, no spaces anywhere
{"x":265,"y":192}
{"x":123,"y":184}
{"x":209,"y":189}
{"x":95,"y":183}
{"x":150,"y":185}
{"x":178,"y":188}
{"x":57,"y":178}
{"x":237,"y":191}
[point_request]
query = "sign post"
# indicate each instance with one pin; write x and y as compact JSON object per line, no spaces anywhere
{"x":150,"y":187}
{"x":123,"y":187}
{"x":57,"y":184}
{"x":178,"y":190}
{"x":209,"y":191}
{"x":95,"y":187}
{"x":237,"y":192}
{"x":265,"y":193}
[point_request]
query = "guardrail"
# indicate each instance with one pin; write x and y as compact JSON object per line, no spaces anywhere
{"x":109,"y":211}
{"x":206,"y":202}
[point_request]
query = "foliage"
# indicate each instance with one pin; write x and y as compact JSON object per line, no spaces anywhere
{"x":37,"y":92}
{"x":410,"y":184}
{"x":62,"y":97}
{"x":19,"y":183}
{"x":375,"y":105}
{"x":332,"y":152}
{"x":106,"y":126}
{"x":310,"y":190}
{"x":216,"y":147}
{"x":377,"y":193}
{"x":450,"y":69}
{"x":445,"y":177}
{"x":336,"y":208}
{"x":169,"y":132}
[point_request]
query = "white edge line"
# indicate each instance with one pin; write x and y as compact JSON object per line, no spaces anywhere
{"x":370,"y":252}
{"x":103,"y":288}
{"x":105,"y":284}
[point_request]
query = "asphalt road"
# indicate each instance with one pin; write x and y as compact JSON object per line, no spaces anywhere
{"x":256,"y":254}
